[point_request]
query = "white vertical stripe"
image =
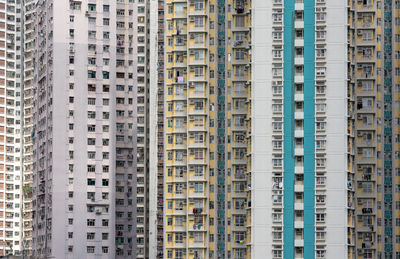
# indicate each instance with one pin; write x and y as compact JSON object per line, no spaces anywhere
{"x":336,"y":130}
{"x":261,"y":129}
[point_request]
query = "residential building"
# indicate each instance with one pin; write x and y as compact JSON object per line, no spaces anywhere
{"x":207,"y":107}
{"x":199,"y":129}
{"x":11,"y":129}
{"x":324,"y":132}
{"x":89,"y":75}
{"x":156,"y":115}
{"x":27,"y":23}
{"x":302,"y":176}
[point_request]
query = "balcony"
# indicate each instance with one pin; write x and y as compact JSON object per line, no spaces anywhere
{"x":299,"y":132}
{"x":299,"y":169}
{"x":299,"y":187}
{"x":299,"y":206}
{"x":298,"y":242}
{"x":299,"y":223}
{"x":365,"y":8}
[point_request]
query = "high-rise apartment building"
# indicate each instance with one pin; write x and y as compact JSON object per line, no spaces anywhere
{"x":325,"y":132}
{"x":89,"y":139}
{"x":373,"y":76}
{"x":199,"y":129}
{"x":156,"y":115}
{"x":295,"y":157}
{"x":16,"y":126}
{"x":302,"y":173}
{"x":207,"y":108}
{"x":11,"y":129}
{"x":27,"y":23}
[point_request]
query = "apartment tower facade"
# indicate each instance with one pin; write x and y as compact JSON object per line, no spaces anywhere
{"x":325,"y":132}
{"x":207,"y":126}
{"x":299,"y":118}
{"x":11,"y":130}
{"x":89,"y":129}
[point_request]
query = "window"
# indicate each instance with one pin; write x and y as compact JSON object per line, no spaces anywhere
{"x":198,"y":88}
{"x":198,"y":5}
{"x":92,"y":34}
{"x":198,"y":170}
{"x":198,"y":38}
{"x":90,"y":235}
{"x":198,"y":187}
{"x":277,"y":35}
{"x":198,"y":137}
{"x":320,"y":33}
{"x":199,"y":55}
{"x":240,"y":21}
{"x":198,"y":121}
{"x":198,"y":154}
{"x":178,"y":238}
{"x":91,"y":222}
{"x":320,"y":16}
{"x":198,"y":21}
{"x":320,"y":217}
{"x":179,"y":122}
{"x":91,"y":141}
{"x":320,"y":51}
{"x":91,"y":7}
{"x":91,"y":74}
{"x":198,"y":71}
{"x":179,"y":106}
{"x":90,"y":249}
{"x":277,"y":15}
{"x":367,"y":35}
{"x":198,"y":105}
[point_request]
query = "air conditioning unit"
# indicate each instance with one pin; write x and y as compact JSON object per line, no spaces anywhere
{"x":87,"y":13}
{"x":98,"y":211}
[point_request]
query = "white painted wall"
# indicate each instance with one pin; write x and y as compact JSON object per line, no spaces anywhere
{"x":261,"y":211}
{"x":336,"y":75}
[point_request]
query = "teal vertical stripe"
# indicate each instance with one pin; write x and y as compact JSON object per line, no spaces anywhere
{"x":288,"y":166}
{"x":309,"y":129}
